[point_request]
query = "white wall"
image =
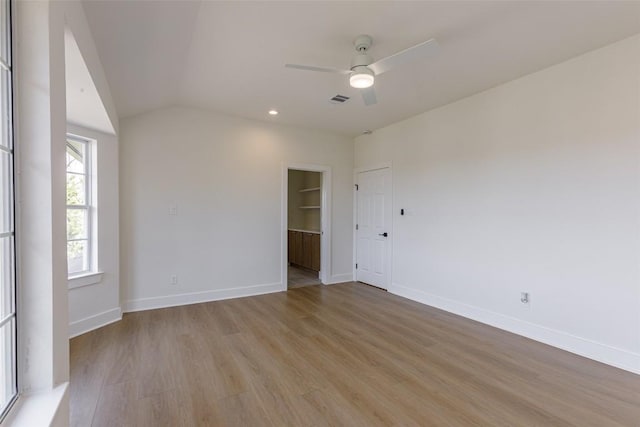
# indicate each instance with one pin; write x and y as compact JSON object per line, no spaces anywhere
{"x":91,"y":113}
{"x":530,"y":186}
{"x":224,"y":175}
{"x":97,"y":304}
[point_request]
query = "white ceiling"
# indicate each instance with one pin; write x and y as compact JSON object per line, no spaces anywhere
{"x":84,"y":106}
{"x":229,"y":56}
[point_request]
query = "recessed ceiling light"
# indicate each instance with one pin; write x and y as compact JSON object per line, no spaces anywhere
{"x":273,"y":112}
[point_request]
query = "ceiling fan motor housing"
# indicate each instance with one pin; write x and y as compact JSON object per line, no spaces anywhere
{"x":361,"y":60}
{"x":362,"y":43}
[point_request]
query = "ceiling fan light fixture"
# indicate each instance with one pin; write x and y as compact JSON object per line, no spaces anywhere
{"x":361,"y":77}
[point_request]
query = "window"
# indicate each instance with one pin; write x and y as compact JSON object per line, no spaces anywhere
{"x":79,"y":242}
{"x":8,"y":382}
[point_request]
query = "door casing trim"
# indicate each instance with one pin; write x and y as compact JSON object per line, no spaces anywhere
{"x":325,"y":219}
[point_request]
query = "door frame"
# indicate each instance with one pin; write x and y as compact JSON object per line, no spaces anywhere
{"x":356,"y":171}
{"x":325,"y":219}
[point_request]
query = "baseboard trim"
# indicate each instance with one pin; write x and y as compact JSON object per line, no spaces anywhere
{"x":609,"y":355}
{"x":340,"y":278}
{"x":199,"y":297}
{"x":96,"y":321}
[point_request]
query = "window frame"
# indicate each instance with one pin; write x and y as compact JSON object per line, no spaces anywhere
{"x":87,"y":207}
{"x":10,"y":149}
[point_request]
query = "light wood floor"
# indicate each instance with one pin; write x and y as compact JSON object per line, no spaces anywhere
{"x":340,"y":355}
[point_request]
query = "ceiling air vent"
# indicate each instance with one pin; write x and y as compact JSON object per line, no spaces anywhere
{"x":339,"y":99}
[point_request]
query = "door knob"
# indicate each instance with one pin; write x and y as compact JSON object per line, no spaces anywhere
{"x":385,"y":234}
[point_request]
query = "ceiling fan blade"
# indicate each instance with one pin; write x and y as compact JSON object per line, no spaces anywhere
{"x":369,"y":96}
{"x":314,"y":68}
{"x":419,"y":51}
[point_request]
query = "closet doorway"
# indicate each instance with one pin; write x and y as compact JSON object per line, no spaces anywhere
{"x":305,"y":225}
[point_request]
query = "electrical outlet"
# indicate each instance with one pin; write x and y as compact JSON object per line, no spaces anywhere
{"x":174,"y":280}
{"x":173,"y":209}
{"x":524,"y":297}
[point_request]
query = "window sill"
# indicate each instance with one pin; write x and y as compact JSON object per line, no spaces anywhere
{"x":38,"y":409}
{"x":85,"y":279}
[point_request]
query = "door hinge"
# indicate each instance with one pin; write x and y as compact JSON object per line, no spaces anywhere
{"x":356,"y":266}
{"x":356,"y":226}
{"x":357,"y":188}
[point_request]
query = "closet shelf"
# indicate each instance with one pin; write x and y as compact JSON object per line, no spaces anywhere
{"x":305,"y":190}
{"x":309,"y":207}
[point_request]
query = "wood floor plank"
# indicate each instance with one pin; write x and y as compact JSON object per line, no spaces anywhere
{"x":117,"y":406}
{"x":256,"y":363}
{"x":346,"y":354}
{"x":85,"y":392}
{"x":220,"y":320}
{"x":242,"y":410}
{"x":159,"y":410}
{"x":334,"y":410}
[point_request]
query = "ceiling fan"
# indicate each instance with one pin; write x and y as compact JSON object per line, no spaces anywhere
{"x":364,"y":70}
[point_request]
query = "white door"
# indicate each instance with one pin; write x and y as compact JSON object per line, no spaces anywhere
{"x":373,"y":228}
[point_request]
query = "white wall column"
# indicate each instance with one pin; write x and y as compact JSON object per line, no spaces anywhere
{"x":40,"y":140}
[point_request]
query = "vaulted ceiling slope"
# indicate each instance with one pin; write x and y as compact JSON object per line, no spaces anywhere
{"x":229,"y":56}
{"x":84,"y":105}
